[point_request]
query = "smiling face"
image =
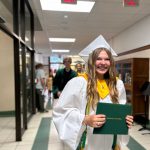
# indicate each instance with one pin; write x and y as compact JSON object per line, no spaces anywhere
{"x":79,"y":67}
{"x":102,"y":63}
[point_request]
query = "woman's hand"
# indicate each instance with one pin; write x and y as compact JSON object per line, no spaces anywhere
{"x":129,"y":121}
{"x":95,"y":121}
{"x":58,"y":93}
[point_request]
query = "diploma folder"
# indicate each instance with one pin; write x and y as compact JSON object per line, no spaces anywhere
{"x":115,"y":118}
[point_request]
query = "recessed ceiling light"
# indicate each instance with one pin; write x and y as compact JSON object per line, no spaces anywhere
{"x":27,"y":55}
{"x":62,"y":39}
{"x":61,"y":50}
{"x":26,"y":39}
{"x":56,"y":5}
{"x":65,"y":16}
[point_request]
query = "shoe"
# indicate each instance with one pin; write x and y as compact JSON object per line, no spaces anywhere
{"x":46,"y":110}
{"x":41,"y":111}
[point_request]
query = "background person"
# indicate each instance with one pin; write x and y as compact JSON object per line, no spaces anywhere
{"x":62,"y":77}
{"x":79,"y":68}
{"x":40,"y":86}
{"x":49,"y":84}
{"x":82,"y":94}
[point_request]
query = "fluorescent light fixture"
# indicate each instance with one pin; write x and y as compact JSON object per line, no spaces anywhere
{"x":61,"y":50}
{"x":62,"y":39}
{"x":56,"y":5}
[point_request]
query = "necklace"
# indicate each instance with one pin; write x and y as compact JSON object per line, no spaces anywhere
{"x":102,"y":88}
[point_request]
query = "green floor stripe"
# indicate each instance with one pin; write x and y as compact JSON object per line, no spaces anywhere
{"x":42,"y":137}
{"x":7,"y":113}
{"x":134,"y":145}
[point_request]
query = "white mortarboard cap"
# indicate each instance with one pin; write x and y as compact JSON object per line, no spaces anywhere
{"x":99,"y":42}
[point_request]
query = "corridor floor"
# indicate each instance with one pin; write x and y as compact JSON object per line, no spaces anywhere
{"x":42,"y":135}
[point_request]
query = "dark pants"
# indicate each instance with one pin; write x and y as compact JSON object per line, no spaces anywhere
{"x":39,"y":100}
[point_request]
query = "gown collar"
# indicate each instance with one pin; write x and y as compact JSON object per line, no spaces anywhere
{"x":102,"y":87}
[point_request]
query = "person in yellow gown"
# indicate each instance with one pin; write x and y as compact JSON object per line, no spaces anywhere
{"x":79,"y":68}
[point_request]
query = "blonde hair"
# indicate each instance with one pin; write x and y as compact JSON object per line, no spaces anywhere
{"x":110,"y":77}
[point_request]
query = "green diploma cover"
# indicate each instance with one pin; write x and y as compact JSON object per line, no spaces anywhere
{"x":115,"y":118}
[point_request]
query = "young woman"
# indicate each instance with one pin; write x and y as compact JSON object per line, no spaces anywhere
{"x":99,"y":84}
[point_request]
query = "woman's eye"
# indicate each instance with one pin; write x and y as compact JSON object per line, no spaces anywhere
{"x":99,"y":59}
{"x":107,"y":59}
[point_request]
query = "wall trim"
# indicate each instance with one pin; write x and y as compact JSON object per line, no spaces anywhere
{"x":135,"y":50}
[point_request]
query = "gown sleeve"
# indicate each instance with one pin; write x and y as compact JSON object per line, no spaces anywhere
{"x":69,"y":112}
{"x":122,"y":140}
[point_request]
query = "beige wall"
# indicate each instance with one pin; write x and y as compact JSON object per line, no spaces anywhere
{"x":7,"y":100}
{"x":136,"y":36}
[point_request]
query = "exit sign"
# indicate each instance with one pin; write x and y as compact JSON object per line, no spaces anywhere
{"x":69,"y":1}
{"x":130,"y":3}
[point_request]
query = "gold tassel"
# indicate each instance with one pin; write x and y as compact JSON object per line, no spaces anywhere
{"x":117,"y":147}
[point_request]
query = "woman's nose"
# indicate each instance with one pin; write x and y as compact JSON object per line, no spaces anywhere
{"x":103,"y":61}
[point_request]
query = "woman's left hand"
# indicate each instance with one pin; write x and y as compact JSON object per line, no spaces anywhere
{"x":129,"y":121}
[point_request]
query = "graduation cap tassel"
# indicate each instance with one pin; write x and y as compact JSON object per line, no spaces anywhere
{"x":82,"y":141}
{"x":115,"y":146}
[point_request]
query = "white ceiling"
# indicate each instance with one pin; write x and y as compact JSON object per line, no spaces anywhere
{"x":108,"y":17}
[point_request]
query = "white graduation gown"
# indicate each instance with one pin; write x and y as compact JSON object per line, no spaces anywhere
{"x":69,"y":113}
